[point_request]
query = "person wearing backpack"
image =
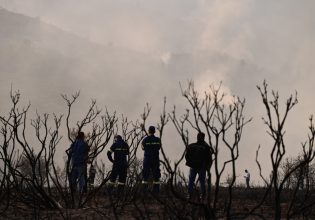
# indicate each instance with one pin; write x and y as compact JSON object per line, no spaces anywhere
{"x":198,"y":158}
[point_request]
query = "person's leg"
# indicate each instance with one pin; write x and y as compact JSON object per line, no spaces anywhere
{"x":146,"y":169}
{"x":146,"y":173}
{"x":73,"y":178}
{"x":122,"y":175}
{"x":191,"y":183}
{"x":112,"y":178}
{"x":247,"y":183}
{"x":85,"y":178}
{"x":156,"y":175}
{"x":114,"y":173}
{"x":91,"y":180}
{"x":82,"y":175}
{"x":202,"y":180}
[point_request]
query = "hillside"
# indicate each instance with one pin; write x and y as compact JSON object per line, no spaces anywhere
{"x":41,"y":57}
{"x":43,"y":61}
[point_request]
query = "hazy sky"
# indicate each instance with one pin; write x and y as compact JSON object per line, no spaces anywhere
{"x":239,"y":42}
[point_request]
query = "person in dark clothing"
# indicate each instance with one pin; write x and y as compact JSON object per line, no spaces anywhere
{"x":198,"y":158}
{"x":120,"y":164}
{"x":151,"y":161}
{"x":92,"y":173}
{"x":78,"y":153}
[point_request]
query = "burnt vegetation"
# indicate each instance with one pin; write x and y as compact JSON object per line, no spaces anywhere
{"x":34,"y":183}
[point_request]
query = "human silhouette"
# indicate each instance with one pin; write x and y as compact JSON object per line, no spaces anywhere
{"x":198,"y":158}
{"x":151,"y":161}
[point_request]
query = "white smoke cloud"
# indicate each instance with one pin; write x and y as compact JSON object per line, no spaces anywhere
{"x":166,"y":57}
{"x":215,"y":79}
{"x":245,"y":42}
{"x":226,"y":27}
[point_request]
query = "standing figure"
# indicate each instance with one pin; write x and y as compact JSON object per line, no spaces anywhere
{"x":198,"y":158}
{"x":120,"y":164}
{"x":92,"y":173}
{"x":78,"y":153}
{"x":247,"y":178}
{"x":151,"y":161}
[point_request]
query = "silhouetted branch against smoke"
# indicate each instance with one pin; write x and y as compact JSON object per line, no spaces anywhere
{"x":70,"y":102}
{"x":7,"y":159}
{"x":216,"y":117}
{"x":179,"y":124}
{"x":102,"y":126}
{"x":259,"y":167}
{"x":90,"y":116}
{"x":31,"y":167}
{"x":98,"y":128}
{"x":275,"y":124}
{"x":30,"y":176}
{"x":101,"y":133}
{"x":132,"y":133}
{"x":144,"y":116}
{"x":164,"y":119}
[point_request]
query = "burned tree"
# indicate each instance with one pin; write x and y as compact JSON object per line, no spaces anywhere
{"x":223,"y":122}
{"x":276,"y":130}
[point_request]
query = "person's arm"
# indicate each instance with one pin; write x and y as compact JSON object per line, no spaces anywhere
{"x":69,"y":150}
{"x":143,"y":144}
{"x":210,"y":153}
{"x":109,"y":155}
{"x":159,"y":147}
{"x":127,"y":151}
{"x":187,"y":153}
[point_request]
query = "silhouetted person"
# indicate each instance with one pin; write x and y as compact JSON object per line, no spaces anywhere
{"x":92,"y":173}
{"x":78,"y":153}
{"x":198,"y":158}
{"x":247,"y":178}
{"x":120,"y":164}
{"x":151,"y":161}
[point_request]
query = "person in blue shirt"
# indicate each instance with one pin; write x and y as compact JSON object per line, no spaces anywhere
{"x":120,"y":163}
{"x":78,"y":153}
{"x":151,"y":161}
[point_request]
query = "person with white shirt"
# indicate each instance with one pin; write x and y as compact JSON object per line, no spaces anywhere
{"x":247,"y":178}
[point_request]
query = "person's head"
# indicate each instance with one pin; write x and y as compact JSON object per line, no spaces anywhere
{"x":151,"y":130}
{"x":246,"y":171}
{"x":200,"y":137}
{"x":80,"y":135}
{"x":118,"y":138}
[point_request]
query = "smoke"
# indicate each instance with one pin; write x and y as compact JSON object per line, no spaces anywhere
{"x":166,"y":57}
{"x":133,"y":52}
{"x":226,"y":27}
